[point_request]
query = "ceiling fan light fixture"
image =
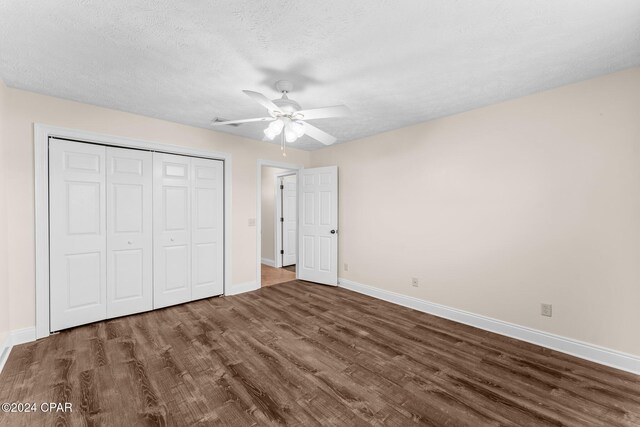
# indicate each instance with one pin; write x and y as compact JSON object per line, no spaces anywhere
{"x":274,"y":129}
{"x":298,"y":128}
{"x":288,"y":119}
{"x":289,"y":134}
{"x":270,"y":133}
{"x":276,"y":125}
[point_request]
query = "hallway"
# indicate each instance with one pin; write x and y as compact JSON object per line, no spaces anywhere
{"x":273,"y":276}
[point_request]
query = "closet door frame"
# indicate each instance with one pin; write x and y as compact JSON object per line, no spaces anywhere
{"x":42,"y":133}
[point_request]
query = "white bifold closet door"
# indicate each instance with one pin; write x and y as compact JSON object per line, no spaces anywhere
{"x":101,"y":252}
{"x":207,"y":234}
{"x":129,"y":231}
{"x":78,"y":280}
{"x":188,"y":223}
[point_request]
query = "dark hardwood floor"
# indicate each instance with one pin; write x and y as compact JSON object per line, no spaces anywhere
{"x":303,"y":354}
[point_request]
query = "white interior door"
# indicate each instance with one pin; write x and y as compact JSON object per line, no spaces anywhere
{"x":290,"y":220}
{"x":207,"y":234}
{"x":129,"y":231}
{"x":77,"y":233}
{"x":318,"y":261}
{"x":172,"y":229}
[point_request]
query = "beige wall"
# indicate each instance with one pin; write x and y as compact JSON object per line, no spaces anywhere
{"x":25,"y":108}
{"x":495,"y":210}
{"x":267,"y":207}
{"x":501,"y":208}
{"x":4,"y":282}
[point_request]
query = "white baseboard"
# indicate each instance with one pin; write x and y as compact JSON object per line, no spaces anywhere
{"x":19,"y":336}
{"x":240,"y":288}
{"x":5,"y":349}
{"x":583,"y":350}
{"x":269,"y":262}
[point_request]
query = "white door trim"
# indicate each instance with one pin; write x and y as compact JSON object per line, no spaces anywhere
{"x":41,"y":134}
{"x":277,"y":241}
{"x":270,"y":163}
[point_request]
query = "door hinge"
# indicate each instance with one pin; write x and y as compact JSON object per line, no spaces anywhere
{"x":281,"y":187}
{"x":281,"y":219}
{"x":281,"y":251}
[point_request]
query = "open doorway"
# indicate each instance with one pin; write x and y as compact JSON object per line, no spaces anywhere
{"x":279,"y":228}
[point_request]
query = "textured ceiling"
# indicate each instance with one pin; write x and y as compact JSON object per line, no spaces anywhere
{"x":394,"y":63}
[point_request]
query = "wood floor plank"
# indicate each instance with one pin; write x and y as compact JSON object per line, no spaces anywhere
{"x":301,"y":354}
{"x":469,"y":356}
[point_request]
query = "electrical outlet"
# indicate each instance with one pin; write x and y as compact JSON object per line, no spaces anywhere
{"x":346,"y":267}
{"x":414,"y":282}
{"x":546,"y":310}
{"x":252,"y":222}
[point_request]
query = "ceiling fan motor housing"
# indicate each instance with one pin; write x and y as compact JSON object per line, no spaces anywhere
{"x":287,"y":105}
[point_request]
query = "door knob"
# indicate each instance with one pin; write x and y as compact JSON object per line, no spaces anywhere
{"x":334,"y":231}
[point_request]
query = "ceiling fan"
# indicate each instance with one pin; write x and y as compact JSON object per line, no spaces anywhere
{"x":288,"y":119}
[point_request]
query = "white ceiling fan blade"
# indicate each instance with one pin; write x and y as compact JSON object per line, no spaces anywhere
{"x":262,"y":100}
{"x":237,"y":122}
{"x":318,"y":134}
{"x":325,"y":112}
